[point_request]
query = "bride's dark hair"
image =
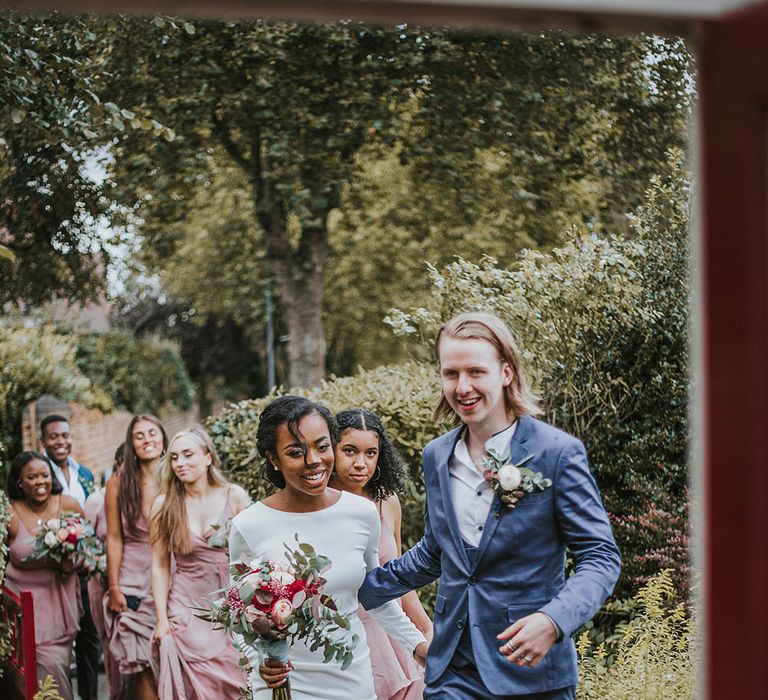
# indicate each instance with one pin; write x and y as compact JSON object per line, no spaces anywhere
{"x":287,"y":411}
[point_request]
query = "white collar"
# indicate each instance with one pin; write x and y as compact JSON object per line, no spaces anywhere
{"x":499,"y":443}
{"x":71,"y":463}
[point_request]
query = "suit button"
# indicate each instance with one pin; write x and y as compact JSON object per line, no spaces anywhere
{"x":472,"y":581}
{"x":460,"y":624}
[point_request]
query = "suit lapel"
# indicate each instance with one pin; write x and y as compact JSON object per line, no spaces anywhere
{"x":444,"y":477}
{"x":518,"y":451}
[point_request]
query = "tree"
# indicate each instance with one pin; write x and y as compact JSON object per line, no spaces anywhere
{"x":54,"y":209}
{"x":290,"y":104}
{"x":48,"y":202}
{"x":519,"y":136}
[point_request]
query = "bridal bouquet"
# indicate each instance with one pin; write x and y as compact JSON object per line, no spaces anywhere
{"x":68,"y":538}
{"x":273,"y":604}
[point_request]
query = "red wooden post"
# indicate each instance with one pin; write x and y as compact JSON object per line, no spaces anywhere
{"x":19,"y":614}
{"x":733,"y":60}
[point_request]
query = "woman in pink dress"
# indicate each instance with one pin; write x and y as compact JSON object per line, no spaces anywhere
{"x":35,"y":495}
{"x":129,"y":611}
{"x":367,"y":464}
{"x":190,"y":520}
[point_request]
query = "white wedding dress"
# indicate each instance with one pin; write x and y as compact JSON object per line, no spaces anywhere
{"x":348,"y":534}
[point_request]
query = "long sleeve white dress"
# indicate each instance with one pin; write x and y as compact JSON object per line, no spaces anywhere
{"x":347,"y":532}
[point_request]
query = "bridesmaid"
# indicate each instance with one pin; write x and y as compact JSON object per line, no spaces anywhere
{"x":190,"y":519}
{"x":129,"y":613}
{"x":35,"y":495}
{"x":368,"y":465}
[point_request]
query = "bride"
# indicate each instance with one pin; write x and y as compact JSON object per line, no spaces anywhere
{"x":296,"y":439}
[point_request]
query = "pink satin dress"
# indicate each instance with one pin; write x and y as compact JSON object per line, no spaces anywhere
{"x":198,"y":662}
{"x":396,"y":676}
{"x":57,"y":606}
{"x":129,"y":633}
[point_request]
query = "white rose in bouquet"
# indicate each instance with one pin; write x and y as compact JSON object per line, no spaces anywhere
{"x":50,"y":539}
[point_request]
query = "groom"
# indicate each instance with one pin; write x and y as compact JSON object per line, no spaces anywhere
{"x":504,"y":610}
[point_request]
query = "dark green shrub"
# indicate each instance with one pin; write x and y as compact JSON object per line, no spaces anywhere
{"x":139,"y":375}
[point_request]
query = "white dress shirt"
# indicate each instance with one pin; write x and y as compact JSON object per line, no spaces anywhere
{"x":73,"y":487}
{"x":472,"y":494}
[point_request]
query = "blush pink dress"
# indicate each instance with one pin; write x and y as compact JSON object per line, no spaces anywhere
{"x":396,"y":676}
{"x":198,"y":662}
{"x":129,"y":633}
{"x":57,"y":606}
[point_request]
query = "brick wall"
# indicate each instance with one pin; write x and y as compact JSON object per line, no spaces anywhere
{"x":95,"y":435}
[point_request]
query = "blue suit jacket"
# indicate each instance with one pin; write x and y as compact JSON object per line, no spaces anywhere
{"x":519,"y":566}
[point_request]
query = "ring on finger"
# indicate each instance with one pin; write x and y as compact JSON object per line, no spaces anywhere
{"x":511,"y":647}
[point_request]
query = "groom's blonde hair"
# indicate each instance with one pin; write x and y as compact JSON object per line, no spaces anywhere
{"x":480,"y":325}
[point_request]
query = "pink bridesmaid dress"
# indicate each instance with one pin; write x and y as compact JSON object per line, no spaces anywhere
{"x":57,"y":608}
{"x":396,"y":676}
{"x":198,"y":662}
{"x":129,"y":633}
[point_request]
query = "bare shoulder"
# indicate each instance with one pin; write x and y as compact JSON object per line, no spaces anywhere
{"x":239,"y":498}
{"x":113,"y":486}
{"x":157,"y":504}
{"x":68,"y":503}
{"x":391,"y":507}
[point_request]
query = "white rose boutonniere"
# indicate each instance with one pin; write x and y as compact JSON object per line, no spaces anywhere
{"x":512,"y":481}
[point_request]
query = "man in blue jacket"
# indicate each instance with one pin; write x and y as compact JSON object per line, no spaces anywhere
{"x":76,"y":481}
{"x":506,"y":496}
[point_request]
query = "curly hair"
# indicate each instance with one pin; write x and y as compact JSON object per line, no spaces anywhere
{"x":287,"y":410}
{"x":390,"y":465}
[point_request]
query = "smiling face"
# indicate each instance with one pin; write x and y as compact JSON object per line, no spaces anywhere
{"x":189,"y":460}
{"x":36,"y":482}
{"x":357,"y":455}
{"x":306,"y":464}
{"x":473,"y":379}
{"x":57,"y":441}
{"x":147,"y":439}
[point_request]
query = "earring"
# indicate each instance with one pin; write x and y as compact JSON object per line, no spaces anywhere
{"x":376,"y":474}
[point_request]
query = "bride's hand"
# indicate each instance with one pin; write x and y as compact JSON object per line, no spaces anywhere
{"x":274,"y":673}
{"x":420,"y":653}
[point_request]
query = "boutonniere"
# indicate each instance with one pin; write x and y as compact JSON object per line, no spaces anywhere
{"x":512,"y":481}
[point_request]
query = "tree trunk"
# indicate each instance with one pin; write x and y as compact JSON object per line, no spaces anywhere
{"x":300,"y":278}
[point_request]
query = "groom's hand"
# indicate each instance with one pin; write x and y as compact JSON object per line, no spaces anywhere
{"x":529,"y":639}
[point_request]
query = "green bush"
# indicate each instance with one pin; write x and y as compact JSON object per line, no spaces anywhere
{"x":655,"y":655}
{"x":38,"y":360}
{"x":138,"y":375}
{"x":5,"y":519}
